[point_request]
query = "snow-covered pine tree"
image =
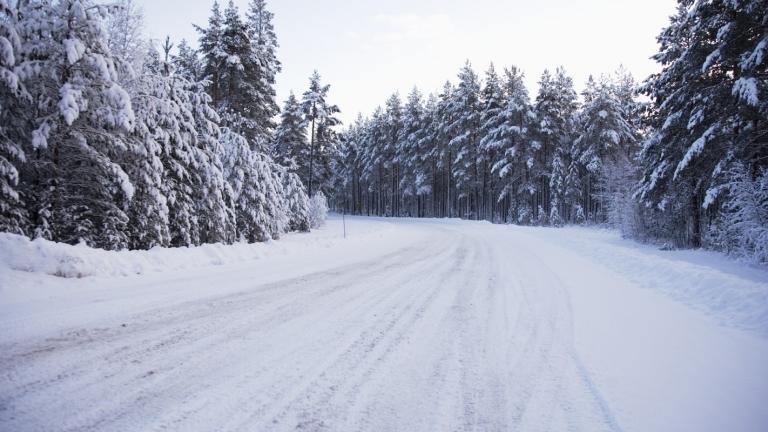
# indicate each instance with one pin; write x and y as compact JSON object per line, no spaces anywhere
{"x":490,"y":147}
{"x":742,"y":228}
{"x":175,"y":132}
{"x":443,"y":134}
{"x":249,"y":196}
{"x":238,"y":75}
{"x":348,"y":170}
{"x":187,"y":62}
{"x":557,"y":186}
{"x":13,"y":101}
{"x":570,"y":194}
{"x":148,"y":212}
{"x":393,"y":125}
{"x":291,"y":136}
{"x":320,"y":116}
{"x":711,"y":107}
{"x":516,"y":153}
{"x":555,"y":109}
{"x":296,"y":199}
{"x":75,"y":189}
{"x":275,"y":203}
{"x":413,"y":182}
{"x":428,"y":159}
{"x":464,"y":109}
{"x":214,"y":57}
{"x":605,"y":136}
{"x":266,"y":66}
{"x":373,"y":161}
{"x":215,"y":200}
{"x":240,"y":62}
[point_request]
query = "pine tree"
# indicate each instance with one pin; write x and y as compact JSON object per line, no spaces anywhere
{"x":393,"y":129}
{"x":428,"y":158}
{"x":605,"y":135}
{"x":148,"y":212}
{"x":296,"y":200}
{"x":239,"y":57}
{"x":249,"y":195}
{"x":319,"y":114}
{"x":213,"y":54}
{"x":511,"y":138}
{"x":13,"y":101}
{"x":555,"y":110}
{"x":711,"y":108}
{"x":187,"y":62}
{"x":215,"y":201}
{"x":464,"y":109}
{"x":238,"y":75}
{"x":291,"y":136}
{"x":490,"y":120}
{"x":443,"y":134}
{"x":413,"y":181}
{"x":264,"y":52}
{"x":78,"y":191}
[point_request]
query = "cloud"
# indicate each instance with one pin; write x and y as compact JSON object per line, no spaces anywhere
{"x":402,"y":27}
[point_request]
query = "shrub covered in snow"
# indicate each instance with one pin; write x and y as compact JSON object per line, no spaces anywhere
{"x":318,"y":210}
{"x":742,"y":229}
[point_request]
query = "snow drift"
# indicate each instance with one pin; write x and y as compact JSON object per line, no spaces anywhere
{"x":59,"y":259}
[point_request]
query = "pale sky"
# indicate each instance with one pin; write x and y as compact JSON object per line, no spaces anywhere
{"x":367,"y":50}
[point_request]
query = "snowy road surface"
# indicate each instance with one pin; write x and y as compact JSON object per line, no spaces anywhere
{"x":410,"y":326}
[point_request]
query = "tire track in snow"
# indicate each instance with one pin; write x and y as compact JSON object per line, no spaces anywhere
{"x":196,"y":315}
{"x":463,"y":332}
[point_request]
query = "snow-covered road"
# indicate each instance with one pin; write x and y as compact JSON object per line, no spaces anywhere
{"x":425,"y":326}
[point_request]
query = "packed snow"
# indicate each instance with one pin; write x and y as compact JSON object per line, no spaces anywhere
{"x":404,"y":325}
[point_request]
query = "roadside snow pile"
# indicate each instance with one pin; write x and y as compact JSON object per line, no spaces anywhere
{"x":734,"y":293}
{"x":58,"y":259}
{"x":46,"y":257}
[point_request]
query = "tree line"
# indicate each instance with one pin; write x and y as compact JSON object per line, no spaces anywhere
{"x":111,"y":140}
{"x":679,"y":159}
{"x":108,"y":139}
{"x":481,"y":149}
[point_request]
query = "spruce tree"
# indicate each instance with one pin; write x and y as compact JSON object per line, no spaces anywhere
{"x":291,"y":145}
{"x":264,"y":56}
{"x":13,"y":101}
{"x":711,"y":109}
{"x":490,"y":120}
{"x":516,"y":152}
{"x":320,"y":115}
{"x":464,"y":110}
{"x":605,"y":135}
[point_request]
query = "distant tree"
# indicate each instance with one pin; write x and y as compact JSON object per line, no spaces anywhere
{"x":464,"y":109}
{"x":291,"y":145}
{"x":320,"y":115}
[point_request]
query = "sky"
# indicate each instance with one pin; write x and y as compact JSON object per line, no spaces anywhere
{"x":366,"y":50}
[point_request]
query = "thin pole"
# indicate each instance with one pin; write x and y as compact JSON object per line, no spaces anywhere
{"x":344,"y":222}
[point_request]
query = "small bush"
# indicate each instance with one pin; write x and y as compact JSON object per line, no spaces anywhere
{"x":318,"y":210}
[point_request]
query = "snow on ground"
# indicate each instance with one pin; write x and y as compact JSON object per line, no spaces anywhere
{"x":406,"y":325}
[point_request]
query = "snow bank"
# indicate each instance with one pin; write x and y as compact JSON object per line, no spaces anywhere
{"x":734,"y":293}
{"x":46,"y":257}
{"x":43,"y":256}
